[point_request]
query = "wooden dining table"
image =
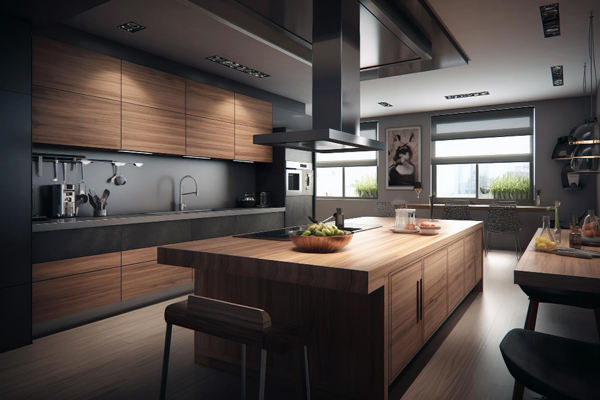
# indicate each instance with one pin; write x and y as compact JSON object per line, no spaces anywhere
{"x":558,"y":272}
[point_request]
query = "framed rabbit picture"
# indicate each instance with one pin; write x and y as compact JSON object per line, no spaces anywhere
{"x":403,"y":157}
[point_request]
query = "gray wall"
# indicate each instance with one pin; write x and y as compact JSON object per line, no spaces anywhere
{"x":553,"y":118}
{"x":598,"y":176}
{"x":154,"y":187}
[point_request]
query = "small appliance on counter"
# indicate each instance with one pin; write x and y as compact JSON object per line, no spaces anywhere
{"x":248,"y":200}
{"x":63,"y":200}
{"x":299,"y":179}
{"x":266,"y":200}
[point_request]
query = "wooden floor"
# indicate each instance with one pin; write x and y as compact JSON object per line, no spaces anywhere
{"x":120,"y":357}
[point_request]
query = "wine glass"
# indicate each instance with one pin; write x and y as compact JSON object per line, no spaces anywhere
{"x":418,"y":188}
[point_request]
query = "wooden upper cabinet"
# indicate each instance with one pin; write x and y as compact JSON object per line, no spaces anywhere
{"x":253,"y":112}
{"x":70,"y":119}
{"x":149,"y":87}
{"x":456,"y":273}
{"x":61,"y":66}
{"x":405,"y":326}
{"x":435,"y":290}
{"x":245,"y":149}
{"x":209,"y":102}
{"x":209,"y":138}
{"x":153,"y":130}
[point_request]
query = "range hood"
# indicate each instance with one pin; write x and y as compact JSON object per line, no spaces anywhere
{"x":396,"y":37}
{"x":336,"y":85}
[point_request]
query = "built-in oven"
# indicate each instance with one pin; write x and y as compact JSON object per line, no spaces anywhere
{"x":299,"y":178}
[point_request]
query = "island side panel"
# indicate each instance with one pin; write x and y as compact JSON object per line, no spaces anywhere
{"x":347,"y":342}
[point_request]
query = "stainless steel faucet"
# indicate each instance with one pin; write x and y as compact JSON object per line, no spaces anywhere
{"x":181,"y":203}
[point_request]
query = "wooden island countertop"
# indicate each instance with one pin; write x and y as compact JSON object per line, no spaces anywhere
{"x":368,"y":308}
{"x":361,"y":267}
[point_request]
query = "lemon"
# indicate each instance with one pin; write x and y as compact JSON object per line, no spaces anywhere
{"x":541,"y":246}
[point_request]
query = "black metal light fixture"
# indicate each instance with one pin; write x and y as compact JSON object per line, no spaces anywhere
{"x":385,"y":104}
{"x":237,"y":66}
{"x":563,"y":150}
{"x":467,"y":95}
{"x":586,"y":157}
{"x":550,"y":20}
{"x":557,"y":75}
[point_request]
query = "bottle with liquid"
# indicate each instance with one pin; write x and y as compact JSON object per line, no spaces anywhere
{"x":339,"y":218}
{"x":557,"y":230}
{"x":575,"y":235}
{"x":538,"y":199}
{"x":546,"y":241}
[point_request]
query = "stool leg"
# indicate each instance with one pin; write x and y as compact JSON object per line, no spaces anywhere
{"x":488,"y":236}
{"x":518,"y":391}
{"x":305,"y":374}
{"x":597,"y":314}
{"x":517,"y":246}
{"x":531,"y":315}
{"x":263,"y":373}
{"x":165,"y":367}
{"x":243,"y":372}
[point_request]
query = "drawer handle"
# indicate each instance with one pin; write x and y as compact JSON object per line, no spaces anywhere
{"x":417,"y":302}
{"x":421,"y":299}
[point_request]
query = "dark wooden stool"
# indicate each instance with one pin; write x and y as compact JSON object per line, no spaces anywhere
{"x":242,"y":324}
{"x":555,"y":367}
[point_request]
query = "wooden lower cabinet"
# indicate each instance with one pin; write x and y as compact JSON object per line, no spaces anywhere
{"x":405,"y":329}
{"x":456,"y":273}
{"x":149,"y":277}
{"x":68,"y":295}
{"x":474,"y":257}
{"x":469,"y":275}
{"x":72,"y":266}
{"x":435,"y":291}
{"x":478,"y":256}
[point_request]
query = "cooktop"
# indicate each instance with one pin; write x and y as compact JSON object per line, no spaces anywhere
{"x":283,"y":234}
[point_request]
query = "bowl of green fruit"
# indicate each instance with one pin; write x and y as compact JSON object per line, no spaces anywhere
{"x":321,"y":238}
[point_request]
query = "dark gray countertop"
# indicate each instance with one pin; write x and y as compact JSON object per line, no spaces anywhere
{"x":55,"y":224}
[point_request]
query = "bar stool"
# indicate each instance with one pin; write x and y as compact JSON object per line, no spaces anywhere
{"x":242,"y":324}
{"x":555,"y":367}
{"x":385,"y":209}
{"x":457,"y":211}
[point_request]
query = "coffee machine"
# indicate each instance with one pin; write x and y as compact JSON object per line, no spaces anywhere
{"x":63,"y":200}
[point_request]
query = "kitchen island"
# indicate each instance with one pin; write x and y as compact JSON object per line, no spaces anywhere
{"x":369,"y":307}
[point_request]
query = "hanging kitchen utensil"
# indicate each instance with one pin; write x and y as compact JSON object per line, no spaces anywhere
{"x":114,"y":175}
{"x":64,"y":167}
{"x":104,"y":198}
{"x":119,"y":179}
{"x":55,"y":170}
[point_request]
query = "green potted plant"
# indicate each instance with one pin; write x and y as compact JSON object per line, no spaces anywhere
{"x":366,"y":186}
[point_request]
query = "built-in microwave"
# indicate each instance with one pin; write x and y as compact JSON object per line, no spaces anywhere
{"x":299,"y":179}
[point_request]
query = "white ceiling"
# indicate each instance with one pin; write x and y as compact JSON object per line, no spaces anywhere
{"x":509,"y":55}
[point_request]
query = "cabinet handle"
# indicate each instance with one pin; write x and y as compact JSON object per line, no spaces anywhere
{"x":421,"y":301}
{"x":417,"y":302}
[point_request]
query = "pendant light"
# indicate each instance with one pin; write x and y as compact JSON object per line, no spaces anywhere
{"x":586,"y":157}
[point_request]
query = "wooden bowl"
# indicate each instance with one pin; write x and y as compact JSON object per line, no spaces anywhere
{"x":320,"y":244}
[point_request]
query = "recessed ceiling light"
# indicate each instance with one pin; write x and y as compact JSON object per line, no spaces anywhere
{"x":465,"y":95}
{"x":132,"y":27}
{"x":557,"y":75}
{"x":384,"y":104}
{"x":237,"y":66}
{"x":550,"y":20}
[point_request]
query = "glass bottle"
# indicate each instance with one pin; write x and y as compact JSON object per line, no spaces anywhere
{"x":538,"y":200}
{"x":546,"y":241}
{"x":590,"y":229}
{"x":557,"y":230}
{"x":575,"y":235}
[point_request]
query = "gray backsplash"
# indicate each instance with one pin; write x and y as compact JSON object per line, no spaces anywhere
{"x":154,"y":186}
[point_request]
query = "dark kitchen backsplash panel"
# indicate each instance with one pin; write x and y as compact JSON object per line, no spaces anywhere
{"x":154,"y":186}
{"x":72,"y":243}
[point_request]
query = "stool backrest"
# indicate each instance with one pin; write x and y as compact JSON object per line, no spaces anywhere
{"x":456,"y":210}
{"x":503,"y":218}
{"x":228,"y":314}
{"x":385,"y":210}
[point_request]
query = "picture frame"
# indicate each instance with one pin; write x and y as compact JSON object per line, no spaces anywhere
{"x":403,"y":157}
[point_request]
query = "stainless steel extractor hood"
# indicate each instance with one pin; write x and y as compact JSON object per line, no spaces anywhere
{"x":336,"y":84}
{"x":396,"y":37}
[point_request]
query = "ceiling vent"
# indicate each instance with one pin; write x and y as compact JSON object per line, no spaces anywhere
{"x":466,"y":95}
{"x":385,"y":104}
{"x":237,"y":66}
{"x":132,"y":27}
{"x":550,"y":20}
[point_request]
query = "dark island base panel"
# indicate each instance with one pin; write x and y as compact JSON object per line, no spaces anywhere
{"x":111,"y":310}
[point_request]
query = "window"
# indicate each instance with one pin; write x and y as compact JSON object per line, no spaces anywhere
{"x":484,"y":155}
{"x":350,"y":175}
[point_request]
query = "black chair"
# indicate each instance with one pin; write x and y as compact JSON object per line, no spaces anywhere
{"x":457,"y":211}
{"x":242,"y":324}
{"x":503,"y":218}
{"x":555,"y":367}
{"x":384,"y":209}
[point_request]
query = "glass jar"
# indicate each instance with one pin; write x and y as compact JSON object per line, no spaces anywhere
{"x":575,"y":235}
{"x":405,"y":219}
{"x":557,"y":230}
{"x":546,"y":241}
{"x":590,"y":231}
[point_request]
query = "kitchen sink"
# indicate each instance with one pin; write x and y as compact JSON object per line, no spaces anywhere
{"x":179,"y":212}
